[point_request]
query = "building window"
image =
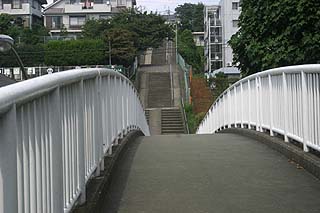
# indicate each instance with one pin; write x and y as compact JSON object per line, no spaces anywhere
{"x":16,"y":4}
{"x":56,"y":22}
{"x":235,"y":5}
{"x":1,"y":5}
{"x":235,"y":23}
{"x":216,"y":65}
{"x":121,"y":2}
{"x":77,"y":21}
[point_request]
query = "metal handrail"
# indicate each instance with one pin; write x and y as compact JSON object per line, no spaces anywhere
{"x":55,"y":131}
{"x":282,"y":100}
{"x":185,"y":116}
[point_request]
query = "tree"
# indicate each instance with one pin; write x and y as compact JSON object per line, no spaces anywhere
{"x":12,"y":26}
{"x":123,"y":50}
{"x":191,"y":16}
{"x":276,"y":33}
{"x":8,"y":26}
{"x":188,"y":50}
{"x":150,"y":29}
{"x":95,"y":28}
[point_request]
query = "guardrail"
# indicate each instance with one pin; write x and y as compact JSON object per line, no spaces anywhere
{"x":55,"y":131}
{"x":283,"y":100}
{"x":186,"y":123}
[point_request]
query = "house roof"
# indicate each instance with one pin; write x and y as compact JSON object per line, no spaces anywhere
{"x":4,"y":80}
{"x":52,"y":4}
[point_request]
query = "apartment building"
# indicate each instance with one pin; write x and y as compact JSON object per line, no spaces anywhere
{"x":198,"y":38}
{"x":71,"y":15}
{"x":220,"y":23}
{"x":26,"y":12}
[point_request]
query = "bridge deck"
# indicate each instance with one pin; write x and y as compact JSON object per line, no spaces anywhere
{"x":204,"y":173}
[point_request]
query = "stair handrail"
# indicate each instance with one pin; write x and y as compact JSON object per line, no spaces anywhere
{"x":185,"y":115}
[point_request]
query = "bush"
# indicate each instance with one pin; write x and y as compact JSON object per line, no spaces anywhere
{"x":75,"y":52}
{"x":193,"y":119}
{"x":31,"y":55}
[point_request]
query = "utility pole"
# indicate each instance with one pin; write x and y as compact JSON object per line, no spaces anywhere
{"x":177,"y":42}
{"x":110,"y":53}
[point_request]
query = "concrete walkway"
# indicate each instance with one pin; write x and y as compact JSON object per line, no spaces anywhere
{"x":221,"y":173}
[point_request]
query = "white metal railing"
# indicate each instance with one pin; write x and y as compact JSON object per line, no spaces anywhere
{"x":54,"y":133}
{"x":283,"y":100}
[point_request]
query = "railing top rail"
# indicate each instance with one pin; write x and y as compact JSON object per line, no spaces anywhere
{"x":307,"y":68}
{"x":314,"y":68}
{"x":23,"y":91}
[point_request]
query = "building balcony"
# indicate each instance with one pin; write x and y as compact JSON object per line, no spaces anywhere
{"x":92,"y":8}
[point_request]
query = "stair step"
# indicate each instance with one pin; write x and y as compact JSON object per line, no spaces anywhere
{"x":172,"y":129}
{"x":168,"y":120}
{"x":171,"y":116}
{"x":171,"y":123}
{"x":173,"y":132}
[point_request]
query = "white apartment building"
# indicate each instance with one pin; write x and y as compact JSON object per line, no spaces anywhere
{"x":220,"y":23}
{"x":198,"y":38}
{"x":26,"y":12}
{"x":72,"y":14}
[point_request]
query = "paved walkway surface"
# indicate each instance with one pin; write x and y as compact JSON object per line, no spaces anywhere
{"x":223,"y":173}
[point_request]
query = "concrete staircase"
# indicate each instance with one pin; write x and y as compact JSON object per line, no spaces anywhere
{"x":172,"y":121}
{"x":159,"y":94}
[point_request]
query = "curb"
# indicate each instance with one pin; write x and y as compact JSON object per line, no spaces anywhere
{"x":97,"y":186}
{"x":308,"y":161}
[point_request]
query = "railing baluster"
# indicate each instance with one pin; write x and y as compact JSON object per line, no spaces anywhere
{"x":81,"y":142}
{"x":305,"y":107}
{"x":8,"y":162}
{"x":285,"y":105}
{"x":56,"y":152}
{"x":270,"y":104}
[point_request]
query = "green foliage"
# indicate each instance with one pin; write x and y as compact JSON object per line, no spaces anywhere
{"x":31,"y":55}
{"x":123,"y":49}
{"x":95,"y":28}
{"x":189,"y":51}
{"x":277,"y":33}
{"x":220,"y":83}
{"x":129,"y":32}
{"x":75,"y":52}
{"x":10,"y":26}
{"x":191,"y":16}
{"x":150,"y":29}
{"x":63,"y":31}
{"x":193,"y":119}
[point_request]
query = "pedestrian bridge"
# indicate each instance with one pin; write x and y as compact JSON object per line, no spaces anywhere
{"x":56,"y":130}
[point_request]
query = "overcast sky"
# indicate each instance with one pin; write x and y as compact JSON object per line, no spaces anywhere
{"x":162,"y":5}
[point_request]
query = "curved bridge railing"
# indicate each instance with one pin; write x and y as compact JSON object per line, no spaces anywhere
{"x":283,"y":100}
{"x":55,"y":131}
